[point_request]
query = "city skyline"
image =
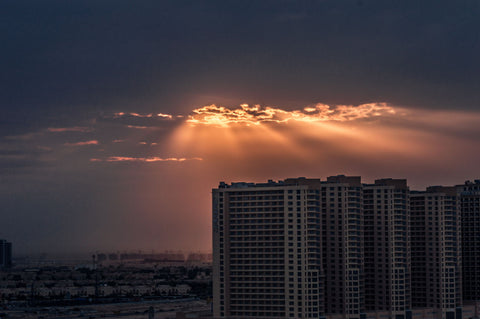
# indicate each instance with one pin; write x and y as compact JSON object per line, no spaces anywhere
{"x":118,"y":119}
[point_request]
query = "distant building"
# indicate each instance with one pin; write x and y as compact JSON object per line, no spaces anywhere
{"x":101,"y":257}
{"x":199,"y":257}
{"x":113,"y":256}
{"x":5,"y":254}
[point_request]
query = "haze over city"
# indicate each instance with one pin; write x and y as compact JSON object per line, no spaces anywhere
{"x":118,"y":118}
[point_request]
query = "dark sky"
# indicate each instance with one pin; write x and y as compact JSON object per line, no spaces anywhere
{"x":74,"y":174}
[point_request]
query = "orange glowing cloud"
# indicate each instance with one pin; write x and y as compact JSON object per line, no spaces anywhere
{"x":138,"y":127}
{"x":255,"y":115}
{"x":69,"y":129}
{"x":165,"y":116}
{"x":141,"y":115}
{"x":144,"y":159}
{"x":370,"y":136}
{"x":92,"y":142}
{"x":148,"y":115}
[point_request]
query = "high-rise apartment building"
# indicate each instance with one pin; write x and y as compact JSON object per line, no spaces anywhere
{"x":470,"y":205}
{"x":305,"y":223}
{"x":342,"y":234}
{"x":387,"y":246}
{"x":5,"y":254}
{"x":436,"y":250}
{"x":267,"y":250}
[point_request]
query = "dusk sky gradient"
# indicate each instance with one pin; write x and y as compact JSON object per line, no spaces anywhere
{"x":119,"y":117}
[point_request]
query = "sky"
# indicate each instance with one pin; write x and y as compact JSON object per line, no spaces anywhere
{"x":119,"y":117}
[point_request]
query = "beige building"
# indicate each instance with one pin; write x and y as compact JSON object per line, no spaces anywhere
{"x":343,"y":260}
{"x":268,"y":244}
{"x":387,"y":246}
{"x":436,"y":250}
{"x":305,"y":248}
{"x":267,"y":254}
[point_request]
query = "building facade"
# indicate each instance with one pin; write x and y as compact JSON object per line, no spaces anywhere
{"x":306,"y":223}
{"x":343,"y":255}
{"x":267,"y":250}
{"x":305,"y":248}
{"x":470,"y":205}
{"x":436,"y":250}
{"x":387,"y":246}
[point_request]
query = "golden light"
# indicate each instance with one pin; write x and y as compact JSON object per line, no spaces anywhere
{"x":255,"y":115}
{"x":246,"y":131}
{"x":335,"y":137}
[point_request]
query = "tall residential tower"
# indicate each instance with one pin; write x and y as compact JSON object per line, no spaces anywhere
{"x":436,"y":250}
{"x":470,"y":205}
{"x":267,"y":250}
{"x":387,"y":246}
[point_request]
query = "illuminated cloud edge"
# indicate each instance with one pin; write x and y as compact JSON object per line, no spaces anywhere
{"x":83,"y":143}
{"x":144,"y":159}
{"x":256,"y":115}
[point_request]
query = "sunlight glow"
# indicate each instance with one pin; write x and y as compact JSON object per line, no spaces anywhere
{"x":144,"y":159}
{"x":148,"y":115}
{"x":255,"y":115}
{"x":83,"y":143}
{"x":313,"y":134}
{"x":69,"y":129}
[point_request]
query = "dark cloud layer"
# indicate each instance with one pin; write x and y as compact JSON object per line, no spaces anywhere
{"x":88,"y":55}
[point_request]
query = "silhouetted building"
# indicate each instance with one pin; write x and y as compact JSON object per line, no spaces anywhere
{"x":199,"y":257}
{"x":5,"y":254}
{"x":101,"y":257}
{"x":470,"y":206}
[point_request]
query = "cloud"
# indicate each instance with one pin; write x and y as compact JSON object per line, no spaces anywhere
{"x":255,"y":115}
{"x":69,"y":129}
{"x":38,"y":150}
{"x":14,"y":160}
{"x":123,"y":114}
{"x":83,"y":143}
{"x":165,"y":116}
{"x":141,"y":121}
{"x":23,"y":137}
{"x":147,"y":143}
{"x":138,"y":127}
{"x":144,"y":159}
{"x":148,"y":115}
